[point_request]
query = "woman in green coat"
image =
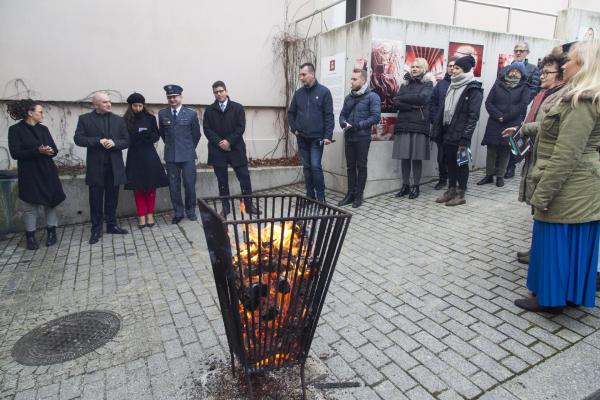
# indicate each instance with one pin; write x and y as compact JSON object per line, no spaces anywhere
{"x":565,"y":185}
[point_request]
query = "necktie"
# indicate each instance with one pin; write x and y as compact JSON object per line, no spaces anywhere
{"x":222,"y":107}
{"x":174,"y":114}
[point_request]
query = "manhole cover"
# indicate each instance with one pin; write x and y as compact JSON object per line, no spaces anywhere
{"x":66,"y":338}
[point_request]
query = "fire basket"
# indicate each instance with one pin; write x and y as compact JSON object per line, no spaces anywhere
{"x":273,"y":258}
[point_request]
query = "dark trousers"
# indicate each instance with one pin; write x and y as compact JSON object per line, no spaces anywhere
{"x":242,"y":174}
{"x":512,"y":161}
{"x":104,"y":200}
{"x":356,"y":164}
{"x":455,"y":173}
{"x":187,"y":171}
{"x":497,"y":159}
{"x":443,"y":171}
{"x":311,"y":153}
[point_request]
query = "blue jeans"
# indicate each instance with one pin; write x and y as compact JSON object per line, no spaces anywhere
{"x":176,"y":171}
{"x":311,"y":153}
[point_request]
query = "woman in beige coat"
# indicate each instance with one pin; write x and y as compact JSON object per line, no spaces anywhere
{"x":565,"y":184}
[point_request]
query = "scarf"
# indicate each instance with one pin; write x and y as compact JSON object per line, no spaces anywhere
{"x":360,"y":91}
{"x":458,"y":84}
{"x":511,"y":81}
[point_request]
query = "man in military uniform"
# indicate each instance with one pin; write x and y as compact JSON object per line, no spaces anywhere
{"x":180,"y":131}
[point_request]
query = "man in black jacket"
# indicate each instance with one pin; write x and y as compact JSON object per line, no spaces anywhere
{"x":224,"y":124}
{"x":105,"y":135}
{"x":310,"y":117}
{"x":361,"y":110}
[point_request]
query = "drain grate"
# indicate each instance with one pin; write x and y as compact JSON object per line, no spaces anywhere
{"x":66,"y":338}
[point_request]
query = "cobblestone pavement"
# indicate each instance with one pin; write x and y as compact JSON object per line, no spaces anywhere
{"x":420,"y":306}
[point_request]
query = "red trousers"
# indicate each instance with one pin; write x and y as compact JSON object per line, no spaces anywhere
{"x":144,"y":201}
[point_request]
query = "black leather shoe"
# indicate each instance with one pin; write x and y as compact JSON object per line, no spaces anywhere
{"x":193,"y":217}
{"x":96,"y":235}
{"x":32,"y":243}
{"x":414,"y":192}
{"x":404,"y":190}
{"x":510,"y":173}
{"x":358,"y":200}
{"x":531,"y":304}
{"x":176,"y":220}
{"x":499,"y":181}
{"x":348,"y":199}
{"x":50,"y":236}
{"x":440,"y":185}
{"x":116,"y":230}
{"x":486,"y":179}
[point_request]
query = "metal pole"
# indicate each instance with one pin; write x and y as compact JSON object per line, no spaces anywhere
{"x":358,"y":5}
{"x":455,"y":11}
{"x":508,"y":21}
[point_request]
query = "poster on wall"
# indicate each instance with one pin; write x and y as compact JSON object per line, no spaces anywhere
{"x":464,"y":49}
{"x":333,"y":76}
{"x":386,"y":71}
{"x":360,"y":63}
{"x":384,"y":130}
{"x":587,"y":33}
{"x":503,"y":61}
{"x":433,"y":56}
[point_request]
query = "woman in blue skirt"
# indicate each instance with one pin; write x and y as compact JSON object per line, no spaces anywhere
{"x":566,"y":191}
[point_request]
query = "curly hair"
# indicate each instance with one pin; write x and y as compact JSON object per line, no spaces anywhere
{"x":18,"y":109}
{"x":556,"y":57}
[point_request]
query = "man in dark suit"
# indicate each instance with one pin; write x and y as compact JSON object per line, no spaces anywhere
{"x":180,"y":131}
{"x":224,"y":124}
{"x":105,"y":135}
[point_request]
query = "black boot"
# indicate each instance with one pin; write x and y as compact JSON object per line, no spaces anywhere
{"x":32,"y":243}
{"x":440,"y":185}
{"x":486,"y":179}
{"x":348,"y":199}
{"x":404,"y":190}
{"x":510,"y":172}
{"x":50,"y":236}
{"x":414,"y":192}
{"x":499,"y":181}
{"x":358,"y":200}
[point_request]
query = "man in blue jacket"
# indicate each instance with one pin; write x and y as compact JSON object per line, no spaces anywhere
{"x":437,"y":102}
{"x":310,"y":117}
{"x":361,"y":110}
{"x":180,"y":131}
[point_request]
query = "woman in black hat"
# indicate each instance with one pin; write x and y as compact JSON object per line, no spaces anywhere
{"x":31,"y":144}
{"x":144,"y":170}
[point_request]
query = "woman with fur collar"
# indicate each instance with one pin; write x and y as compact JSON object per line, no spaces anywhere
{"x":411,"y":132}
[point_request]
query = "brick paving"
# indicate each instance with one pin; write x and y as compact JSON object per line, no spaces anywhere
{"x":420,"y":306}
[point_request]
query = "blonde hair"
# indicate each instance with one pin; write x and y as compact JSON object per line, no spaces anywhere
{"x":586,"y":81}
{"x":422,"y":63}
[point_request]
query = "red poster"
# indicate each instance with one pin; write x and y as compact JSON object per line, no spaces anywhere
{"x":503,"y":61}
{"x":386,"y":71}
{"x":463,"y":49}
{"x":433,"y":56}
{"x":384,"y":130}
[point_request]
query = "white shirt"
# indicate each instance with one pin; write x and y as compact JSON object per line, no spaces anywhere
{"x":223,"y":105}
{"x":178,"y":109}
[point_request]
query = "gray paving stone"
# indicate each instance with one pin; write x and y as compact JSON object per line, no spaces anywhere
{"x":427,"y":379}
{"x":398,"y":377}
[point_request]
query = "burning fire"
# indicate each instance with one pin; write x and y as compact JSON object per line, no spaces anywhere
{"x":273,"y":274}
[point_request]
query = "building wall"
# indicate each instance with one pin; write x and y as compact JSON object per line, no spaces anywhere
{"x":62,"y":51}
{"x":355,"y":41}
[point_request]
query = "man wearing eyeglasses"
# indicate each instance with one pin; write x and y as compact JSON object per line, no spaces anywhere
{"x":532,"y":78}
{"x":224,"y":125}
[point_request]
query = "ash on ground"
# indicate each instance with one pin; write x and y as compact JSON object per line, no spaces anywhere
{"x":216,"y":382}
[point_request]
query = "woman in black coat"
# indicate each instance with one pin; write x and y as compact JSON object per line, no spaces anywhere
{"x":144,"y":170}
{"x":31,"y":144}
{"x":411,"y":132}
{"x":507,"y":105}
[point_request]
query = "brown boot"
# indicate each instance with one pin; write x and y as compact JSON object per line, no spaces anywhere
{"x":458,"y":199}
{"x":447,"y":196}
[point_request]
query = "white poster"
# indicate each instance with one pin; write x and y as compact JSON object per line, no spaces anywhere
{"x":333,"y":77}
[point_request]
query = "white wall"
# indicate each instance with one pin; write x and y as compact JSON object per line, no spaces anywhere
{"x":61,"y":51}
{"x":490,"y":18}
